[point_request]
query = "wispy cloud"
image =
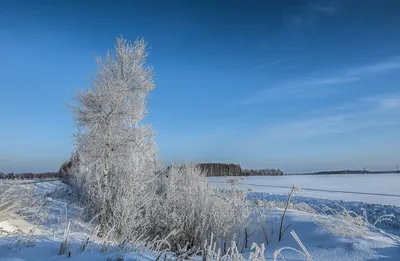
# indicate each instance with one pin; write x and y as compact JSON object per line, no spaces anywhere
{"x":275,"y":62}
{"x":390,"y":64}
{"x":324,"y":7}
{"x":363,"y":115}
{"x":300,"y":89}
{"x":308,"y":128}
{"x":391,"y":103}
{"x":311,"y":13}
{"x":361,"y":133}
{"x":321,"y":86}
{"x":386,"y":102}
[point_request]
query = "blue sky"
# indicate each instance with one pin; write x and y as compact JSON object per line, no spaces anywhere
{"x":297,"y":85}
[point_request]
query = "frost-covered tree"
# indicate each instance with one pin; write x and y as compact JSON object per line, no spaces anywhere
{"x":117,"y":173}
{"x":115,"y":150}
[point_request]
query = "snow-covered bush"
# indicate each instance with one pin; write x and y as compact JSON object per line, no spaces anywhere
{"x":346,"y":223}
{"x":178,"y":204}
{"x":188,"y":204}
{"x":18,"y":199}
{"x":129,"y":197}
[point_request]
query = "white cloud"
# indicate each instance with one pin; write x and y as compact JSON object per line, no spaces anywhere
{"x":321,"y":86}
{"x":362,"y":115}
{"x":385,"y":66}
{"x":384,"y":103}
{"x":390,"y":103}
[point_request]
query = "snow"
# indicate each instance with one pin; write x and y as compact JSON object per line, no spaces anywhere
{"x":60,"y":210}
{"x":370,"y":188}
{"x":14,"y":224}
{"x":373,"y":211}
{"x":323,"y":246}
{"x":266,"y":188}
{"x":42,"y":251}
{"x":320,"y":244}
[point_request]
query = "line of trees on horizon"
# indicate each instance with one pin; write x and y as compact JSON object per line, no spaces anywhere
{"x":211,"y":169}
{"x":231,"y":169}
{"x":30,"y":175}
{"x":262,"y":172}
{"x":356,"y":171}
{"x":220,"y":169}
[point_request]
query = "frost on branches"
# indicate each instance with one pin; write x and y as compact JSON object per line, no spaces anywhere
{"x":190,"y":206}
{"x":116,"y":152}
{"x":118,"y":173}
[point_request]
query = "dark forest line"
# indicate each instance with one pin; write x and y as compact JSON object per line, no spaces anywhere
{"x":211,"y":169}
{"x":29,"y":175}
{"x":341,"y":172}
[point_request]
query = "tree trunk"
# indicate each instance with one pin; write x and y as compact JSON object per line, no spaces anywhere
{"x":103,"y":203}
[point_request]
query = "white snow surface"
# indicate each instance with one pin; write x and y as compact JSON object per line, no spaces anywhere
{"x":371,"y":188}
{"x":324,"y":190}
{"x":320,"y":244}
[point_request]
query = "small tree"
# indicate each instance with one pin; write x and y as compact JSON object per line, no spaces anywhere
{"x":114,"y":148}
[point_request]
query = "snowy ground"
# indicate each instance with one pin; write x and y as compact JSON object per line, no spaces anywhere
{"x":44,"y":242}
{"x":370,"y":188}
{"x":376,"y":194}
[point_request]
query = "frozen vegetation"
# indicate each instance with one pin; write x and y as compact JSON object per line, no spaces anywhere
{"x":326,"y":237}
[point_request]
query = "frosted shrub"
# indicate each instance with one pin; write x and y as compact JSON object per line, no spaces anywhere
{"x":187,"y":203}
{"x":129,"y":198}
{"x":346,"y":223}
{"x":18,"y":199}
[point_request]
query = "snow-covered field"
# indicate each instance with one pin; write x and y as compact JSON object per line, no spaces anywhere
{"x":41,"y":241}
{"x":371,"y":188}
{"x":377,"y":194}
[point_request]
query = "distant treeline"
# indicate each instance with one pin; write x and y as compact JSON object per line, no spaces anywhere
{"x":224,"y":169}
{"x":357,"y":171}
{"x":220,"y":169}
{"x":212,"y":170}
{"x":47,"y":175}
{"x":262,"y":172}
